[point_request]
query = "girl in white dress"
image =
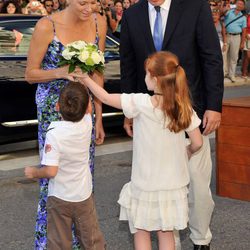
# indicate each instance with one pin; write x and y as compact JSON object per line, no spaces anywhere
{"x":156,"y":197}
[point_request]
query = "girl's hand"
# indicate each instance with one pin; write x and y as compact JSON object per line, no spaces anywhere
{"x":188,"y":152}
{"x":99,"y":133}
{"x":77,"y":75}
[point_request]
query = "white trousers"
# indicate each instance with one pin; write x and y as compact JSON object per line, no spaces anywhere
{"x":201,"y":204}
{"x":232,"y":54}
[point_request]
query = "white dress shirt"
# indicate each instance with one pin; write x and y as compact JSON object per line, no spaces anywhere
{"x":164,"y":15}
{"x":67,"y":146}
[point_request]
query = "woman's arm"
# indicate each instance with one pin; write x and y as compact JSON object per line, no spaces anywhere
{"x":112,"y":22}
{"x":243,"y":38}
{"x":99,"y":79}
{"x":224,"y":36}
{"x":41,"y":38}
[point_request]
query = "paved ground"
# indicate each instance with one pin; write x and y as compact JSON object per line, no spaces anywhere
{"x":18,"y":201}
{"x":230,"y":223}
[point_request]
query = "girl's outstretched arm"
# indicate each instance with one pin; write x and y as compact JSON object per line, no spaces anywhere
{"x":113,"y":100}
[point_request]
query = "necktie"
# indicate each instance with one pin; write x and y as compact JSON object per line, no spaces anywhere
{"x":157,"y":36}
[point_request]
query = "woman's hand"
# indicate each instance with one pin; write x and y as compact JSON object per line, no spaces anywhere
{"x":99,"y":133}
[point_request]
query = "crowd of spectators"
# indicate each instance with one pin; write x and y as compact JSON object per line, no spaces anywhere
{"x":32,"y":7}
{"x":232,"y":22}
{"x":231,"y":19}
{"x":111,"y":9}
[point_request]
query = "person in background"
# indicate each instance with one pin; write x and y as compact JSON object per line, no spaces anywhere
{"x":48,"y":4}
{"x":11,"y":7}
{"x":98,"y":8}
{"x":66,"y":164}
{"x":111,"y":4}
{"x":63,"y":4}
{"x":1,"y":5}
{"x":246,"y":50}
{"x":109,"y":13}
{"x":233,"y":4}
{"x":34,"y":7}
{"x":235,"y":24}
{"x":221,"y":31}
{"x":186,"y":29}
{"x":117,"y":17}
{"x":126,"y":4}
{"x":56,"y":6}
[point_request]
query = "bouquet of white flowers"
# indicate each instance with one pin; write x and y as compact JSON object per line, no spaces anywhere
{"x":86,"y":56}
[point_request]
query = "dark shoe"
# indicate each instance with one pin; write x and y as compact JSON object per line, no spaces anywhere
{"x":201,"y":247}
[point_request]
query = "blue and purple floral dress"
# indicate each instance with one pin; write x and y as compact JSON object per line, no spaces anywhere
{"x":47,"y":96}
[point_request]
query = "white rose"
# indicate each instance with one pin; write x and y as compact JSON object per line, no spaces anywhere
{"x":78,"y":45}
{"x":84,"y":55}
{"x":96,"y":57}
{"x":67,"y":54}
{"x":102,"y":56}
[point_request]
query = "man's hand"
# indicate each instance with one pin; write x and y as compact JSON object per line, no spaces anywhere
{"x":211,"y":121}
{"x":128,"y":126}
{"x":30,"y":172}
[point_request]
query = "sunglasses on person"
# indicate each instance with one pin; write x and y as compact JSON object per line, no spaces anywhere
{"x":215,"y":11}
{"x":48,"y":5}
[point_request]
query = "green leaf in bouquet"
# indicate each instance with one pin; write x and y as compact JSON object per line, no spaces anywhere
{"x":62,"y":63}
{"x":72,"y":67}
{"x":84,"y":68}
{"x":100,"y":68}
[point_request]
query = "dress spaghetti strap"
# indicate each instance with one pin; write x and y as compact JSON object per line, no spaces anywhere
{"x":96,"y":26}
{"x":51,"y":20}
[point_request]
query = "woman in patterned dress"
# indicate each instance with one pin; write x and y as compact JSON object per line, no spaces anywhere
{"x":76,"y":22}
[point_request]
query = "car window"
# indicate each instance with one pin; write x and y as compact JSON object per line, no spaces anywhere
{"x":111,"y":48}
{"x":15,"y":37}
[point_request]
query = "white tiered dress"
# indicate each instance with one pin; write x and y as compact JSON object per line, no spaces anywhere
{"x":156,"y":196}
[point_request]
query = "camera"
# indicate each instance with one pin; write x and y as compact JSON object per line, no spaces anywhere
{"x":35,"y":4}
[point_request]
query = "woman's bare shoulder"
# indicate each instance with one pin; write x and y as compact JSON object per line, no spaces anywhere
{"x":101,"y":20}
{"x":102,"y":24}
{"x":57,"y":17}
{"x":44,"y":25}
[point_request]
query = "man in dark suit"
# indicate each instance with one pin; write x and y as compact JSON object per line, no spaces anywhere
{"x":187,"y":31}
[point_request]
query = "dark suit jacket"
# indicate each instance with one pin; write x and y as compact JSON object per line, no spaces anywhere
{"x":191,"y":35}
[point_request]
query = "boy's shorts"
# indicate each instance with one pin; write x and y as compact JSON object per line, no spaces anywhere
{"x":62,"y":214}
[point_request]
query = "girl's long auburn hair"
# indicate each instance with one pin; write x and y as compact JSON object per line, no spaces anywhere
{"x":172,"y":83}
